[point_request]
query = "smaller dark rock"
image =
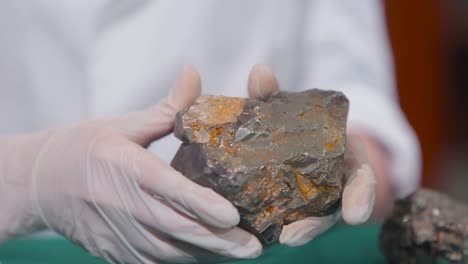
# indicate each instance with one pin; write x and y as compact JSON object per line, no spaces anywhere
{"x":426,"y":225}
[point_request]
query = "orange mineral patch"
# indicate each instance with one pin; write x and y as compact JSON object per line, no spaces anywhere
{"x":214,"y":135}
{"x":214,"y":110}
{"x":228,"y":147}
{"x":218,"y":137}
{"x":271,"y":210}
{"x":306,"y":186}
{"x":331,"y":145}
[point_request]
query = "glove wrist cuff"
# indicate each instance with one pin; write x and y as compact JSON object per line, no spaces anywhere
{"x":18,"y":154}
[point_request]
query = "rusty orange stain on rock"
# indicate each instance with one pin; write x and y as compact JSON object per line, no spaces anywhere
{"x":228,"y":147}
{"x":307,"y":187}
{"x":214,"y":135}
{"x":212,"y":110}
{"x":271,"y":210}
{"x":331,"y":145}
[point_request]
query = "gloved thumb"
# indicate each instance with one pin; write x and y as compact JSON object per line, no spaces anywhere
{"x":262,"y":82}
{"x":359,"y":193}
{"x":145,"y":126}
{"x":186,"y":89}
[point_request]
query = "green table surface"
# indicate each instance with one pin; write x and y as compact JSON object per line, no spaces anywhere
{"x":342,"y":244}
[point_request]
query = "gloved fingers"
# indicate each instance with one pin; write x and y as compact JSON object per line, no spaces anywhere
{"x":145,"y":126}
{"x":262,"y":82}
{"x":173,"y":251}
{"x":359,"y":195}
{"x":179,"y":252}
{"x":186,"y":89}
{"x":141,"y":244}
{"x":301,"y":232}
{"x":147,"y":246}
{"x":162,"y":181}
{"x":359,"y":192}
{"x":141,"y":187}
{"x":117,"y":160}
{"x":232,"y":242}
{"x":121,"y":230}
{"x":114,"y":234}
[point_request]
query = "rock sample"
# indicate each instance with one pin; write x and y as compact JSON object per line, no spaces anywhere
{"x":426,"y":225}
{"x":278,"y":160}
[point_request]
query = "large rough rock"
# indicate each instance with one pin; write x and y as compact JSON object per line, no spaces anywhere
{"x":426,"y":225}
{"x":277,"y":161}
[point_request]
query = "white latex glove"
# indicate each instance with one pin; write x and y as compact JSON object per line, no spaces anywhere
{"x":95,"y":183}
{"x":359,"y":192}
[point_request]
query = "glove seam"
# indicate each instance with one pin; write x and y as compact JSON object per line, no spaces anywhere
{"x":34,"y":196}
{"x":106,"y":218}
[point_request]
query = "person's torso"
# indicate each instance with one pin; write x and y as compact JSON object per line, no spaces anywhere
{"x":64,"y":62}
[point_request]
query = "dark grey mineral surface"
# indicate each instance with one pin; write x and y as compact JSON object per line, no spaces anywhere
{"x":278,"y":160}
{"x":425,"y":226}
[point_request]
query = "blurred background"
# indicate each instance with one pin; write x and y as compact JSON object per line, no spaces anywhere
{"x":430,"y":45}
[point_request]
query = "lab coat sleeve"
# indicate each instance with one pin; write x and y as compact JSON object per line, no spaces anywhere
{"x":346,"y":49}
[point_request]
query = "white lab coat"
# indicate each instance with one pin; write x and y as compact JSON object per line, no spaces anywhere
{"x":64,"y":61}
